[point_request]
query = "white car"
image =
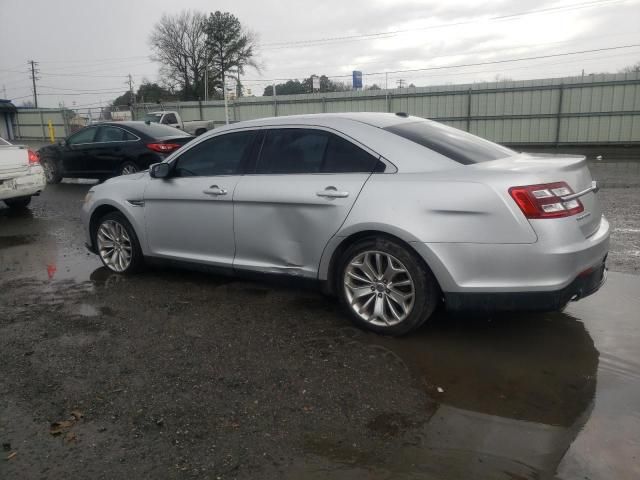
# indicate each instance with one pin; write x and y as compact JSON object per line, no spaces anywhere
{"x":21,"y":175}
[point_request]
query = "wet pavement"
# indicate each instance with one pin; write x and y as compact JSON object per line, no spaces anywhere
{"x":174,"y":374}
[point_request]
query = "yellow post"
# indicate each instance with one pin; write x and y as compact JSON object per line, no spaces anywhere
{"x":52,"y":132}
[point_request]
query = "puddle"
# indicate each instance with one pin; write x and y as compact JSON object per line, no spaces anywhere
{"x":517,"y":397}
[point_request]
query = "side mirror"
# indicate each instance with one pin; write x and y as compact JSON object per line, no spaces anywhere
{"x":160,"y":170}
{"x":62,"y":143}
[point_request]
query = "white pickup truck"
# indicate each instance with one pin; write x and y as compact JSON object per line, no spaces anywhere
{"x":21,"y":175}
{"x":172,"y":118}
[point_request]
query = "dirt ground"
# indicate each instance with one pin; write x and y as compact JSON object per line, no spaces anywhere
{"x":173,"y":374}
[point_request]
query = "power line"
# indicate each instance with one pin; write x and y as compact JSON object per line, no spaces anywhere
{"x":103,"y":90}
{"x":324,"y":41}
{"x":494,"y":62}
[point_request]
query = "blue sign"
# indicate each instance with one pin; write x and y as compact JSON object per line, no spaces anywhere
{"x":357,"y":79}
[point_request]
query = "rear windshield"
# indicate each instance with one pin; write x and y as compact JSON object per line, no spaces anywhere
{"x":455,"y":144}
{"x":156,"y":130}
{"x":152,"y":117}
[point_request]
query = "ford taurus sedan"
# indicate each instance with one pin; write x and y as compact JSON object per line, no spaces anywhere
{"x":391,"y":213}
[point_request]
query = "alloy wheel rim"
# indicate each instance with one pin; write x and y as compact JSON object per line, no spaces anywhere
{"x":379,"y":288}
{"x":129,"y":169}
{"x":114,"y":245}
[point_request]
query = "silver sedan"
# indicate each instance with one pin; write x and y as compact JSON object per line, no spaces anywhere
{"x":391,"y":213}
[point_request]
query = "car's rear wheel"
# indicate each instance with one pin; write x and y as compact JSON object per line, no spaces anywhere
{"x":18,"y":202}
{"x":386,"y":287}
{"x":127,"y":168}
{"x":51,"y":173}
{"x":117,"y":244}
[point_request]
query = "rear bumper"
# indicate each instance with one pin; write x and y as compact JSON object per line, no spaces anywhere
{"x":23,"y":186}
{"x":587,"y":283}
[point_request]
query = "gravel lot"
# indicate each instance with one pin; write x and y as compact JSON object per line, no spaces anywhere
{"x":173,"y":374}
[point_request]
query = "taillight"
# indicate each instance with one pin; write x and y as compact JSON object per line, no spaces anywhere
{"x":34,"y":158}
{"x":545,"y":201}
{"x":163,"y":147}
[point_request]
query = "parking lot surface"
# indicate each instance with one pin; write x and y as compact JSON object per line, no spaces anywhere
{"x":174,"y":374}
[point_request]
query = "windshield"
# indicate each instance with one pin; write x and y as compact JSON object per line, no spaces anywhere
{"x":152,"y":117}
{"x":455,"y":144}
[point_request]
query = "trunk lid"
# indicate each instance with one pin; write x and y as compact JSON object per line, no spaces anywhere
{"x":549,"y":168}
{"x":14,"y":161}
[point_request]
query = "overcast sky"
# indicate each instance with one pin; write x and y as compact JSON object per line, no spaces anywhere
{"x":85,"y":49}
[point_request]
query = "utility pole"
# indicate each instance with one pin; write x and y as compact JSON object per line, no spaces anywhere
{"x":206,"y":79}
{"x":4,"y":91}
{"x":226,"y":103}
{"x":400,"y":82}
{"x":132,"y":98}
{"x":33,"y":80}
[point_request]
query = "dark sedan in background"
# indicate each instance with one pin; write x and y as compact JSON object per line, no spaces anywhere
{"x":110,"y":149}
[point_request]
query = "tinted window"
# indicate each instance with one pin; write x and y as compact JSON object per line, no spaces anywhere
{"x":83,"y":136}
{"x":152,"y":117}
{"x":155,"y":130}
{"x":110,"y":134}
{"x":129,"y":136}
{"x":170,"y":119}
{"x":293,"y":150}
{"x":218,"y":156}
{"x":343,"y":156}
{"x":452,"y":143}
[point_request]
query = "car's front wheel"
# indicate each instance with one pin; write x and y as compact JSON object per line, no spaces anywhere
{"x":128,"y":168}
{"x":18,"y":202}
{"x":386,"y":287}
{"x":117,"y":244}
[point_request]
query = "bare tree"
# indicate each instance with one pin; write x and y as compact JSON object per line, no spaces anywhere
{"x":631,"y":68}
{"x":179,"y":45}
{"x":231,"y":47}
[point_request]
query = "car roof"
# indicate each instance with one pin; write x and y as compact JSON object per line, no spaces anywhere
{"x":375,"y":119}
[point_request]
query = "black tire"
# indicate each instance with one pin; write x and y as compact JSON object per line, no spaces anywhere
{"x":426,"y":291}
{"x":51,"y":172}
{"x":127,"y":168}
{"x":18,"y":202}
{"x":137,"y":259}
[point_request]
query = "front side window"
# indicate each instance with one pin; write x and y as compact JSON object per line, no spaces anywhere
{"x":83,"y":136}
{"x":110,"y":134}
{"x":221,"y":155}
{"x":455,"y":144}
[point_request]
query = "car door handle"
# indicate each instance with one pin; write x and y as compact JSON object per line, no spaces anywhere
{"x":332,"y":192}
{"x":215,"y":190}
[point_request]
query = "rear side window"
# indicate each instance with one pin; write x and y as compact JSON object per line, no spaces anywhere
{"x":343,"y":156}
{"x":110,"y":134}
{"x":300,"y":151}
{"x":455,"y":144}
{"x":293,"y":150}
{"x":221,"y":155}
